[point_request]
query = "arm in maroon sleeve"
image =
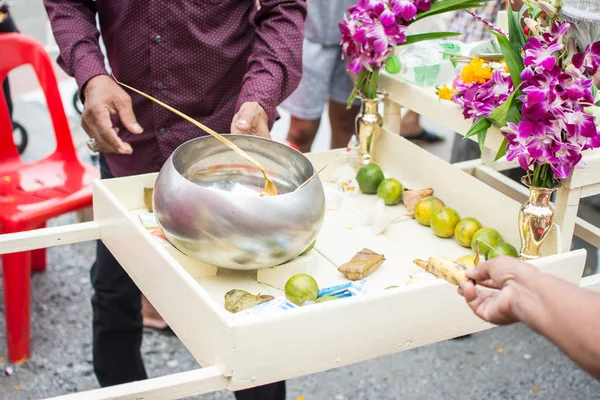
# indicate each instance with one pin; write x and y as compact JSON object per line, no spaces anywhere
{"x":74,"y":26}
{"x":275,"y":65}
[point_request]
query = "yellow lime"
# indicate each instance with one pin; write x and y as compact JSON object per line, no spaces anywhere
{"x":502,"y":249}
{"x":468,"y":260}
{"x":465,"y":230}
{"x":309,"y":248}
{"x":301,"y":288}
{"x":487,"y":237}
{"x":369,"y":177}
{"x":390,"y":190}
{"x":425,"y":208}
{"x":444,"y":222}
{"x":325,"y":298}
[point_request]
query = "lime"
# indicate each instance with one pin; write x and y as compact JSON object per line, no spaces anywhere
{"x":301,"y":288}
{"x":325,"y":298}
{"x":465,"y":230}
{"x":425,"y":208}
{"x":468,"y":260}
{"x":369,"y":177}
{"x":502,"y":249}
{"x":487,"y":237}
{"x":390,"y":190}
{"x":309,"y":248}
{"x":444,"y":222}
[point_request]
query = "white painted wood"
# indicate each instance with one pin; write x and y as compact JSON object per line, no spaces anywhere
{"x":588,"y":232}
{"x":49,"y":237}
{"x":278,"y":276}
{"x":514,"y":190}
{"x":392,"y":115}
{"x":590,"y":175}
{"x":425,"y":102}
{"x":502,"y":20}
{"x":338,"y":333}
{"x":175,"y":386}
{"x":201,"y":323}
{"x":591,"y":282}
{"x":590,"y":190}
{"x":565,"y":212}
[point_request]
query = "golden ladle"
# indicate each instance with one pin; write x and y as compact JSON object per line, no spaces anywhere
{"x":270,"y":188}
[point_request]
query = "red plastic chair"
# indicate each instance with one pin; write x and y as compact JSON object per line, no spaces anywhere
{"x":30,"y":194}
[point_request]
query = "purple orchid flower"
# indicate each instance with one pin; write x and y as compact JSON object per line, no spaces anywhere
{"x":540,"y":56}
{"x":423,"y":5}
{"x":589,"y":59}
{"x":580,"y":124}
{"x":404,"y":9}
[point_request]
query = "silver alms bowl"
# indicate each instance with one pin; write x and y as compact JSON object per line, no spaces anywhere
{"x":206,"y":202}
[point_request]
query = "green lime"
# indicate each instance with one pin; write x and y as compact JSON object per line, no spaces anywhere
{"x":487,"y":238}
{"x":369,"y":177}
{"x":390,"y":190}
{"x":301,"y":288}
{"x":465,"y":230}
{"x":325,"y":298}
{"x":444,"y":222}
{"x":425,"y":208}
{"x":502,"y":249}
{"x":393,"y":65}
{"x":309,"y":248}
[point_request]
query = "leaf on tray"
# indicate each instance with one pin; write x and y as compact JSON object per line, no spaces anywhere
{"x":237,"y":300}
{"x":364,"y":263}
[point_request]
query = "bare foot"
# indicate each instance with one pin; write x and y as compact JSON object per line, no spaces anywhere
{"x":150,"y":317}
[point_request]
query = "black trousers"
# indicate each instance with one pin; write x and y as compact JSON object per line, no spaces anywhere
{"x":117,"y":325}
{"x":7,"y":26}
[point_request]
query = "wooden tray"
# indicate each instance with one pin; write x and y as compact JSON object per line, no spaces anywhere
{"x":253,"y":350}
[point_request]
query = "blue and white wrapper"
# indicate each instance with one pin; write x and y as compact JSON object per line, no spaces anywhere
{"x":349,"y":289}
{"x":276,"y":305}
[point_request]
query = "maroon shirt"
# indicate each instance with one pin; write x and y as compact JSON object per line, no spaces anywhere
{"x":203,"y":57}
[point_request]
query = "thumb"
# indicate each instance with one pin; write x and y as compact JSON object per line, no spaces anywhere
{"x":245,"y":120}
{"x":125,"y":110}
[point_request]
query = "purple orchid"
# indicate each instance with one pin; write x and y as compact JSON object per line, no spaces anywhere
{"x":373,"y":29}
{"x":589,"y":59}
{"x":539,"y":55}
{"x":404,"y":9}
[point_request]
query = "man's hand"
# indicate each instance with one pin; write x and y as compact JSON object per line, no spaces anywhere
{"x":103,"y":98}
{"x":251,"y":119}
{"x":514,"y":293}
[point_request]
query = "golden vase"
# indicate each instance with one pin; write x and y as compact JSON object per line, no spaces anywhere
{"x":535,"y":220}
{"x":369,"y":124}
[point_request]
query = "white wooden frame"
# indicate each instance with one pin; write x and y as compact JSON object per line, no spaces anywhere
{"x":583,"y":182}
{"x":240,"y":352}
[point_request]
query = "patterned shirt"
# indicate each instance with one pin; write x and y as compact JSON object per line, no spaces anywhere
{"x":203,"y":57}
{"x":473,"y":30}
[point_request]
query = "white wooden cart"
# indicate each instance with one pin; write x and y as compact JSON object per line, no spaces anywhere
{"x":238,"y":352}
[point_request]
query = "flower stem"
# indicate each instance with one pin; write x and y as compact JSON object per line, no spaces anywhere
{"x":542,"y":176}
{"x":365,"y":86}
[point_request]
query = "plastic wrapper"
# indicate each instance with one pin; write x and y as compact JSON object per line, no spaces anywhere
{"x":349,"y":289}
{"x":380,"y":218}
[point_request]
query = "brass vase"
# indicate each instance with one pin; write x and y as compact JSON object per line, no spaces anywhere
{"x":369,"y":124}
{"x":535,"y":220}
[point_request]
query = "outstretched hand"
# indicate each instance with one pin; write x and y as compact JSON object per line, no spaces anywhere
{"x":505,"y":290}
